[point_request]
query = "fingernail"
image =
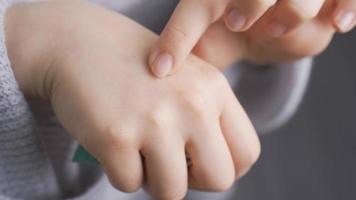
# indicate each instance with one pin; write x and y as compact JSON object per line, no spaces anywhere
{"x":163,"y":65}
{"x":344,"y":20}
{"x":277,"y":29}
{"x":235,"y":21}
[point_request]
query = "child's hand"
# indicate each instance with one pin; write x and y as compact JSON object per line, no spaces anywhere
{"x":192,"y":18}
{"x":221,"y":47}
{"x":91,"y":64}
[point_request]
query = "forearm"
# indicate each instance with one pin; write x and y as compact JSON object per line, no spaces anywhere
{"x":28,"y":45}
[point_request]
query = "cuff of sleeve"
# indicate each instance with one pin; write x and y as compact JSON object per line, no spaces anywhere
{"x":10,"y":95}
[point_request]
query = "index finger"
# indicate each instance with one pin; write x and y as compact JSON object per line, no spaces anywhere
{"x":189,"y":21}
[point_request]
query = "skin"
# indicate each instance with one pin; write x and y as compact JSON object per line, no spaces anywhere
{"x":222,"y":47}
{"x":140,"y":128}
{"x":279,"y":26}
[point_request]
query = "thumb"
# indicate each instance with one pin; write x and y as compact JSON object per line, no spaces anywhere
{"x":188,"y":23}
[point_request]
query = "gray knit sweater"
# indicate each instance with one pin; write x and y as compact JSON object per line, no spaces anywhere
{"x":24,"y":165}
{"x":35,"y":151}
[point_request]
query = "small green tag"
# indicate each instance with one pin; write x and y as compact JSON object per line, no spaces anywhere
{"x":82,"y":156}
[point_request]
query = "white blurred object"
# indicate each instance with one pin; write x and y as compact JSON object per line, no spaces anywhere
{"x":272,"y":94}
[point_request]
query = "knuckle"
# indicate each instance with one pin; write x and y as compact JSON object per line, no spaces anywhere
{"x":119,"y":137}
{"x":155,"y":119}
{"x":209,"y":91}
{"x":196,"y":103}
{"x":158,"y":118}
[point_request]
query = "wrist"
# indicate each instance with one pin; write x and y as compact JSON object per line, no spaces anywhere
{"x":28,"y":46}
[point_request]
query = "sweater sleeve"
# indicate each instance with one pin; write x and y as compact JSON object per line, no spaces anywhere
{"x":25,"y":172}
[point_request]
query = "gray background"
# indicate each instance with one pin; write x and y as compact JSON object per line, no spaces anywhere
{"x":314,"y":155}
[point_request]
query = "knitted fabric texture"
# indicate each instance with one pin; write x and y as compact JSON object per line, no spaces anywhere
{"x":25,"y":171}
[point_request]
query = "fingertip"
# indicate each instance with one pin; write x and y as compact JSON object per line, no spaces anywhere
{"x":235,"y":21}
{"x":162,"y":65}
{"x":344,"y":21}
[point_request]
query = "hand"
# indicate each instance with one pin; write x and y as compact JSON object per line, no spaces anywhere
{"x":221,"y":47}
{"x":134,"y":124}
{"x":192,"y":18}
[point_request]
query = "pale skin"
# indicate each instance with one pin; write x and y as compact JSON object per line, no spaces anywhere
{"x":92,"y":68}
{"x":256,"y":30}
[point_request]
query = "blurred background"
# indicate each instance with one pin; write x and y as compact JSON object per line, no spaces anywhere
{"x":314,"y":155}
